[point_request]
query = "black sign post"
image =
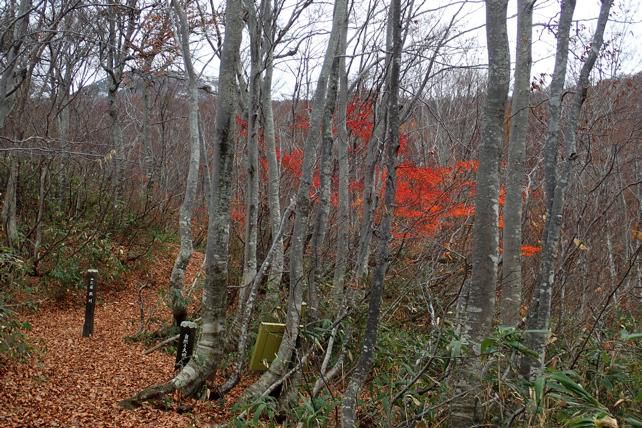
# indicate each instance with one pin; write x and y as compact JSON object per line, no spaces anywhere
{"x":186,"y":342}
{"x":90,"y":305}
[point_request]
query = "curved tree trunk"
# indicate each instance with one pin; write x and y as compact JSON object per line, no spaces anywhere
{"x":209,"y":348}
{"x":177,"y":277}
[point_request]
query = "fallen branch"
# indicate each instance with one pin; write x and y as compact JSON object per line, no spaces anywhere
{"x":165,"y":342}
{"x":159,"y":345}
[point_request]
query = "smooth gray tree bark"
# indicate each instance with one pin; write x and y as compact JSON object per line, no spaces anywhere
{"x":252,"y":159}
{"x":9,"y":205}
{"x":325,"y":176}
{"x":13,"y":71}
{"x":515,"y":176}
{"x":273,"y":173}
{"x":297,"y":283}
{"x":479,"y":311}
{"x":538,"y":321}
{"x":210,"y":346}
{"x":177,"y":277}
{"x":343,"y":160}
{"x":481,"y":304}
{"x":550,"y":166}
{"x":638,"y":279}
{"x":42,"y":194}
{"x":555,"y":101}
{"x":121,"y":25}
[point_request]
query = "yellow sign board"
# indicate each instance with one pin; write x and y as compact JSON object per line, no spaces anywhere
{"x":267,"y":345}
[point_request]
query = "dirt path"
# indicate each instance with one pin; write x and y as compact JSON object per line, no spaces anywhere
{"x":77,"y":381}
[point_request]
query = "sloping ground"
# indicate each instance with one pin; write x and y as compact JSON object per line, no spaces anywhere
{"x":78,"y":381}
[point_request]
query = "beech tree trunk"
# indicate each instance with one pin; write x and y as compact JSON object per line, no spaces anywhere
{"x":252,"y":158}
{"x":177,"y":277}
{"x":638,"y":279}
{"x":515,"y":177}
{"x":343,"y":221}
{"x":209,"y":348}
{"x":555,"y":101}
{"x":273,"y":193}
{"x":325,"y":175}
{"x":480,"y":308}
{"x":12,"y":75}
{"x":121,"y":22}
{"x":550,"y":158}
{"x":42,"y":193}
{"x":370,"y":198}
{"x":148,"y":153}
{"x":9,"y":205}
{"x":538,"y":321}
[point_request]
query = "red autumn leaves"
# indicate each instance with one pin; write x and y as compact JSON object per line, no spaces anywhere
{"x":427,"y":199}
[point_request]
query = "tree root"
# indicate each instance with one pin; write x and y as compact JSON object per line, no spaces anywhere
{"x":151,"y":393}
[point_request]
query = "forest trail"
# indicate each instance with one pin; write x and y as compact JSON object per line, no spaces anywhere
{"x":76,"y":381}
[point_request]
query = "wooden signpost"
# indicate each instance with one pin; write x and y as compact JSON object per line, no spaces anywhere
{"x":90,"y":303}
{"x":186,"y":342}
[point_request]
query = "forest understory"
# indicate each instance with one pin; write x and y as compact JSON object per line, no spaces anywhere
{"x":74,"y":381}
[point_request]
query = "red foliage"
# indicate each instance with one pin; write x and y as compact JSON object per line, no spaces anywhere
{"x":403,"y":143}
{"x":301,"y":122}
{"x":426,"y":197}
{"x":359,"y":119}
{"x":292,"y":162}
{"x":530,"y":250}
{"x":466,"y":166}
{"x":356,"y":186}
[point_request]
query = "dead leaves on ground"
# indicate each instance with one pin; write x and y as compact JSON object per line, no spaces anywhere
{"x":77,"y":381}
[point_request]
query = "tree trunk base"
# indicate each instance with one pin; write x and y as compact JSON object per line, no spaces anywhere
{"x":151,"y":393}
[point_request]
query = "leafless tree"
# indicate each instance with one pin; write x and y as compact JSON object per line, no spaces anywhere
{"x":538,"y":321}
{"x":209,"y":348}
{"x":177,"y":278}
{"x":480,"y":298}
{"x":512,"y":261}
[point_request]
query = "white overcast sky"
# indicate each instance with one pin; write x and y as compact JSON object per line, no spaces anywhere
{"x":624,"y":30}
